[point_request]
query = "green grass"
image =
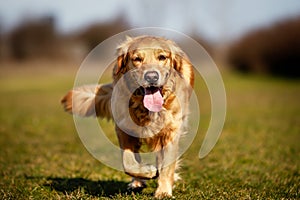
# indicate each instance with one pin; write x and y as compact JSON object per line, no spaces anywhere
{"x":256,"y":157}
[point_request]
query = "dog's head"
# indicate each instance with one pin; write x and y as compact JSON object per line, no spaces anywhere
{"x":152,"y":62}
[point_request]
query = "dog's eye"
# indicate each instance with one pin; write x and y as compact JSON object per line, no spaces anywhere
{"x":162,"y":58}
{"x":137,"y":59}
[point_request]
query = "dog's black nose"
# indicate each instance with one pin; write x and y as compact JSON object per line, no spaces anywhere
{"x":151,"y":77}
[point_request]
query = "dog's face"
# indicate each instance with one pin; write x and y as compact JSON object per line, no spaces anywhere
{"x":150,"y":67}
{"x":150,"y":62}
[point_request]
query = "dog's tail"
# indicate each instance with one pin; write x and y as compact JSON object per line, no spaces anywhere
{"x":89,"y":100}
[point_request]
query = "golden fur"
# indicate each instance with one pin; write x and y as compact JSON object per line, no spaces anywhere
{"x":144,"y":65}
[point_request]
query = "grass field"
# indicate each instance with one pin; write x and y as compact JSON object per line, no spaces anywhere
{"x":42,"y":157}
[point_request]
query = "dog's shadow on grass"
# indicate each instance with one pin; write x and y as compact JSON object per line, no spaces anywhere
{"x":95,"y":188}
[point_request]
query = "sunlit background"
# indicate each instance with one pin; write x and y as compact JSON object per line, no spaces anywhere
{"x":33,"y":29}
{"x":215,"y":20}
{"x":254,"y":43}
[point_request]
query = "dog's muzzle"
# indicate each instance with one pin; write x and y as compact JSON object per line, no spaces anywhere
{"x":151,"y":77}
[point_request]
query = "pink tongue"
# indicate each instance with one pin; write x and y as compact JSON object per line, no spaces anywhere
{"x":153,"y":101}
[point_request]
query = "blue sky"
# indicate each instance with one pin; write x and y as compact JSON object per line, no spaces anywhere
{"x":214,"y":19}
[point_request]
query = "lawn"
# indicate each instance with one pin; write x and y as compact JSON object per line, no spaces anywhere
{"x":42,"y":157}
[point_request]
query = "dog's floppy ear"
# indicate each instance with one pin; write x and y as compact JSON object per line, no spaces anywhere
{"x":122,"y":56}
{"x":182,"y":64}
{"x":120,"y":64}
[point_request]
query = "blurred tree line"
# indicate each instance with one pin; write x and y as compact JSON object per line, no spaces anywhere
{"x":39,"y":39}
{"x":34,"y":39}
{"x":273,"y":50}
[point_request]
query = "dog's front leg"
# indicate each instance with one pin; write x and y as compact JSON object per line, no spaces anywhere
{"x":166,"y":164}
{"x":136,"y":169}
{"x":131,"y":159}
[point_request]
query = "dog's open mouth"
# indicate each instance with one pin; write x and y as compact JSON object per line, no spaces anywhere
{"x":153,"y":99}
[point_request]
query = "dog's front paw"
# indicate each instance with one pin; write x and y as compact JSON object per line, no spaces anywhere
{"x":149,"y":171}
{"x":163,"y":191}
{"x":137,"y":169}
{"x":142,"y":171}
{"x":161,"y":195}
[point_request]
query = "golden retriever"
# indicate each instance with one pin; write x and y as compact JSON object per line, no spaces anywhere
{"x":148,"y":100}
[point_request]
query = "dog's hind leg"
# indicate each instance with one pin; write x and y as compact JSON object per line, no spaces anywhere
{"x":137,"y":184}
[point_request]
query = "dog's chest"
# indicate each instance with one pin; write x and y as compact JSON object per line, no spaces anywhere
{"x":149,"y":123}
{"x":133,"y":118}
